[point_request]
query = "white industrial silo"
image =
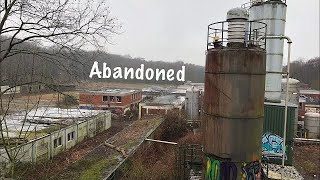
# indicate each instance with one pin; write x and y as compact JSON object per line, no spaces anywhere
{"x":293,"y":90}
{"x":312,"y":124}
{"x":192,"y":103}
{"x":273,"y":13}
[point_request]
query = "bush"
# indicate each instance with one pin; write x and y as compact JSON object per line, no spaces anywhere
{"x":68,"y":100}
{"x":174,"y":126}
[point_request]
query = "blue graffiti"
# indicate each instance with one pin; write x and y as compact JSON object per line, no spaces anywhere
{"x":272,"y":146}
{"x":253,"y":170}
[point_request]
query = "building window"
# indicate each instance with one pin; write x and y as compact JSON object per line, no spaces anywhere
{"x":100,"y":125}
{"x":104,"y":98}
{"x":113,"y":99}
{"x":70,"y":136}
{"x":57,"y":142}
{"x":119,"y":99}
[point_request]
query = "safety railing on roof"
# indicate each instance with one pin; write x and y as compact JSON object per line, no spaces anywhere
{"x":223,"y":34}
{"x":253,"y":2}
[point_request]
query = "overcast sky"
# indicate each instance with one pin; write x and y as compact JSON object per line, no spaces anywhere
{"x":172,"y":30}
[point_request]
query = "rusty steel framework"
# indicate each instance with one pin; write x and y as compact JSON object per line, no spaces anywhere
{"x":189,"y":161}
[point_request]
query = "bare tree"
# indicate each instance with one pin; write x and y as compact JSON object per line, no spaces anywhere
{"x":61,"y":28}
{"x":63,"y":23}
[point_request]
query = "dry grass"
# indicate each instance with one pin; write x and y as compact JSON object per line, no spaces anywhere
{"x":49,"y":96}
{"x":156,"y":161}
{"x":307,"y":160}
{"x":27,"y":102}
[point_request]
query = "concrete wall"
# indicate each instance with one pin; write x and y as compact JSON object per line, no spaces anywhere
{"x":46,"y":147}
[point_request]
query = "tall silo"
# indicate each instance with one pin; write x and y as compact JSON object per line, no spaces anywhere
{"x":273,"y":13}
{"x":192,"y":107}
{"x":233,"y":102}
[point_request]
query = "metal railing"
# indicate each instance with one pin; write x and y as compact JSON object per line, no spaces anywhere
{"x":254,"y":2}
{"x":219,"y":34}
{"x":189,"y":161}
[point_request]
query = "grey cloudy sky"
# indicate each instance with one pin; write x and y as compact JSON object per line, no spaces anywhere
{"x":172,"y":30}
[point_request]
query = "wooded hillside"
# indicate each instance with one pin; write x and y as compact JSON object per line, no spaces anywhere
{"x":307,"y":72}
{"x":56,"y":66}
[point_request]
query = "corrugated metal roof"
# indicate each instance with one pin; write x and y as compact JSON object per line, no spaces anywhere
{"x":281,"y":104}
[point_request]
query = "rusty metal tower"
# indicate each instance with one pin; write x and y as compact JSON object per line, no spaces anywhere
{"x":233,"y":109}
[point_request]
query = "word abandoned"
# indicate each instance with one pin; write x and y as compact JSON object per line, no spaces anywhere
{"x":140,"y":73}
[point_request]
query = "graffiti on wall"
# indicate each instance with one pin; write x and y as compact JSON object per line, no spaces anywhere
{"x":272,"y":146}
{"x":227,"y":170}
{"x":252,"y":171}
{"x":217,"y":170}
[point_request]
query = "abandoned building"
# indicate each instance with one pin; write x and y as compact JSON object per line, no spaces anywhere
{"x":116,"y":100}
{"x":161,"y":105}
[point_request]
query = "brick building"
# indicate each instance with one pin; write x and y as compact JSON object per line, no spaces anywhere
{"x":115,"y":100}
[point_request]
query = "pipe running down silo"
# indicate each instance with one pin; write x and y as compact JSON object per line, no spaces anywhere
{"x":233,"y":108}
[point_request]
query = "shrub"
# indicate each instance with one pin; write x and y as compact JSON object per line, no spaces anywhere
{"x":68,"y":100}
{"x":174,"y":126}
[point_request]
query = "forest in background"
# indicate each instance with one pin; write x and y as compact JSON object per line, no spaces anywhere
{"x":307,"y":72}
{"x":60,"y":66}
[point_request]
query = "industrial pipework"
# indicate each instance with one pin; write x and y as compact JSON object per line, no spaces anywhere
{"x":233,"y":110}
{"x":289,"y":41}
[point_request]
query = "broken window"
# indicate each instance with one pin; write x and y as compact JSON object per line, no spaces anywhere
{"x":70,"y":136}
{"x":104,"y":98}
{"x":57,"y":142}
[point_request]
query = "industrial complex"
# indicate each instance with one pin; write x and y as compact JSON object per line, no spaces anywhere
{"x":249,"y":114}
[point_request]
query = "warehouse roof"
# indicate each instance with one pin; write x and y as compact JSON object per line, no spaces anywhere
{"x":110,"y":91}
{"x":168,"y":100}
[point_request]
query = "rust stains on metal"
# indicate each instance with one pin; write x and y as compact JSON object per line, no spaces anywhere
{"x":233,"y":103}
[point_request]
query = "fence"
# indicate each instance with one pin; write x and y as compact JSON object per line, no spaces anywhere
{"x":48,"y":146}
{"x":189,"y":161}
